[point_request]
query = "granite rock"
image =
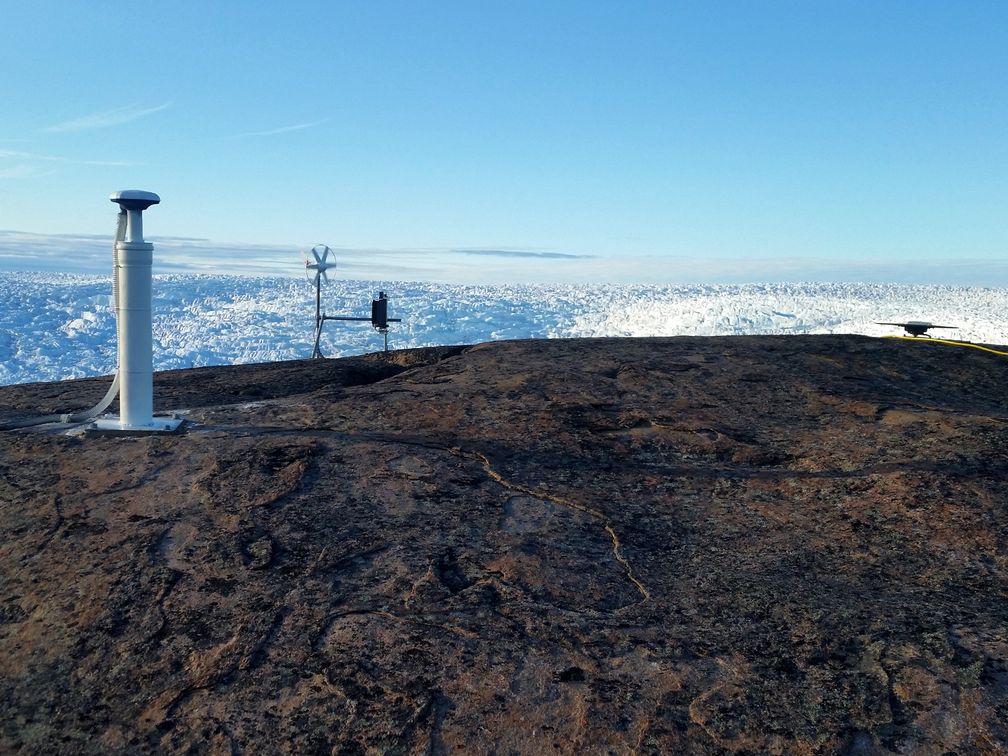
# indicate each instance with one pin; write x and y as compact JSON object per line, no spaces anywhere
{"x":745,"y":545}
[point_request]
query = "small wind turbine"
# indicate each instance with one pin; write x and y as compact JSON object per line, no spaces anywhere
{"x":321,"y":264}
{"x":321,"y":254}
{"x":379,"y":307}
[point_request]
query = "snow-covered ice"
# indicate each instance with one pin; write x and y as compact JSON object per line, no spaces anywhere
{"x":56,"y":326}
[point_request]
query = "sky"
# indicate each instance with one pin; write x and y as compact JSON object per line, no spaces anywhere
{"x":615,"y":140}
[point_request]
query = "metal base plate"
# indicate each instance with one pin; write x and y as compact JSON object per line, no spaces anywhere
{"x":112,"y":426}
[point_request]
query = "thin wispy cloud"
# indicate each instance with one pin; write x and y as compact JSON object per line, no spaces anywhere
{"x":106,"y":118}
{"x":35,"y":157}
{"x":282,"y":129}
{"x":23,"y":170}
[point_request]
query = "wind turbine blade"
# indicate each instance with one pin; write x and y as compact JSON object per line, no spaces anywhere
{"x":317,"y":258}
{"x":324,"y":274}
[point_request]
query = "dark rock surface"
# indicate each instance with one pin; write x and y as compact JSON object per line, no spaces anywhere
{"x":756,"y":544}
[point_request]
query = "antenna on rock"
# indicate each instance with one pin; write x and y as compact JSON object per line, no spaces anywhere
{"x":132,"y":258}
{"x":917,"y":327}
{"x":132,"y":286}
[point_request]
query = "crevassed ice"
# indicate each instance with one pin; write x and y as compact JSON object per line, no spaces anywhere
{"x":62,"y":326}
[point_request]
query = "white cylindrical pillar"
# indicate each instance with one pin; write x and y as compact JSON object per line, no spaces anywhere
{"x":134,"y":225}
{"x":136,"y":359}
{"x":134,"y":258}
{"x":132,"y":276}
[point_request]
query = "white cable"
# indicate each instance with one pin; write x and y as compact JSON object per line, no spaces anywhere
{"x":77,"y":417}
{"x":85,"y":415}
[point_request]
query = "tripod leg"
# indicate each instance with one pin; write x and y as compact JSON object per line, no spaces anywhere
{"x":316,"y":352}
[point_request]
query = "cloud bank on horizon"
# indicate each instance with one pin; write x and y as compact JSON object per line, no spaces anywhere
{"x":91,"y":254}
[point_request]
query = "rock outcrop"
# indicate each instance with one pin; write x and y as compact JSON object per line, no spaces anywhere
{"x":753,"y":544}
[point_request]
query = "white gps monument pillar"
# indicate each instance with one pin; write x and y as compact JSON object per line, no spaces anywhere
{"x":133,"y":259}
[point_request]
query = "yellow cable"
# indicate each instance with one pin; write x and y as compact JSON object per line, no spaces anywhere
{"x":946,"y":341}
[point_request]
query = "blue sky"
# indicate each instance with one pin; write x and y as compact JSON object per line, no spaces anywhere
{"x":860,"y":133}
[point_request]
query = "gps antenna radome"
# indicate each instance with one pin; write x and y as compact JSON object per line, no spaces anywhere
{"x":917,"y":327}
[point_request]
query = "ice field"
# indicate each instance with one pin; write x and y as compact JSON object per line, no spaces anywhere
{"x":56,"y":326}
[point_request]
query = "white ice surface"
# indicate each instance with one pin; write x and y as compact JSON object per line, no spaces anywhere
{"x":62,"y":326}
